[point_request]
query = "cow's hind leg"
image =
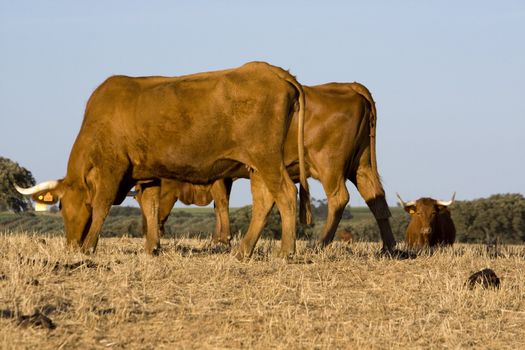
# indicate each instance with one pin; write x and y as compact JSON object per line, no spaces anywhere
{"x":220,"y":195}
{"x":337,"y":196}
{"x":284,"y":193}
{"x":369,"y":186}
{"x":262,"y":204}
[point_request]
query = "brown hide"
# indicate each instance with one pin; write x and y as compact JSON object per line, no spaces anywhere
{"x":339,"y":141}
{"x":192,"y":194}
{"x":430,"y":224}
{"x":196,"y":128}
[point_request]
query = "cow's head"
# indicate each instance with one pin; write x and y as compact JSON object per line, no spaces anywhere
{"x":74,"y":206}
{"x":423,"y":213}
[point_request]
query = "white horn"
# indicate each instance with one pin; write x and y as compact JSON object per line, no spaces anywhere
{"x":47,"y":185}
{"x":404,"y":204}
{"x":446,"y":204}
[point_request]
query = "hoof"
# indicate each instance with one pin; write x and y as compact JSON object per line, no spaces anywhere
{"x":153,"y":251}
{"x":287,"y":256}
{"x":223,"y":242}
{"x":87,"y":250}
{"x":239,"y":256}
{"x":396,"y":254}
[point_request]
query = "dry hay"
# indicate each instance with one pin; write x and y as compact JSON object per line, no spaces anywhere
{"x":194,"y":297}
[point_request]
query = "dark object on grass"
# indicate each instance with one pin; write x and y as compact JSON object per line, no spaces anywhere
{"x":33,"y":282}
{"x":37,"y":319}
{"x":73,"y":266}
{"x":396,"y":254}
{"x":6,"y":313}
{"x":103,"y":312}
{"x":486,"y":278}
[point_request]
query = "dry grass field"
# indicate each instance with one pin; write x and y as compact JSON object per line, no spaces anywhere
{"x":346,"y":297}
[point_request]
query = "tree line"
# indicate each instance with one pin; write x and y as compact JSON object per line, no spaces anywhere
{"x":12,"y":173}
{"x":501,"y":217}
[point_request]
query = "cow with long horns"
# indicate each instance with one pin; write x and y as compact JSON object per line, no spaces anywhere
{"x":196,"y":128}
{"x":430,"y":222}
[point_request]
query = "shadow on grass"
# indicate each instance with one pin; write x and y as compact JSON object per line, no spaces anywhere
{"x":189,"y":250}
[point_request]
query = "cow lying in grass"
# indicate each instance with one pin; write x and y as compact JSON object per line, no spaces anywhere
{"x":430,"y":223}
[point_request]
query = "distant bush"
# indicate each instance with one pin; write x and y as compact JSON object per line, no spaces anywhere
{"x":240,"y":220}
{"x":10,"y":174}
{"x":320,"y":210}
{"x":118,"y":210}
{"x":499,"y":216}
{"x":368,"y":231}
{"x":32,"y":222}
{"x":123,"y":225}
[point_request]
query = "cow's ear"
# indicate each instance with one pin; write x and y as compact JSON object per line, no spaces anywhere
{"x":46,"y":197}
{"x":411,"y":209}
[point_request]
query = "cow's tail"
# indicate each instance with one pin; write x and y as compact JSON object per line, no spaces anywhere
{"x":378,"y":205}
{"x":305,"y":209}
{"x":363,"y":91}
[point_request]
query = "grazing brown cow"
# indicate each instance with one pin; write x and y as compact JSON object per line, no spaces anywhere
{"x":430,"y":222}
{"x":196,"y":128}
{"x":340,"y":131}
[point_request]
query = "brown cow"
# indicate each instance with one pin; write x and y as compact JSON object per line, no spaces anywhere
{"x":430,"y":223}
{"x":196,"y":128}
{"x":340,"y":129}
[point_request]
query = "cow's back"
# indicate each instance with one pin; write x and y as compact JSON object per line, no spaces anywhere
{"x":334,"y":126}
{"x":162,"y":125}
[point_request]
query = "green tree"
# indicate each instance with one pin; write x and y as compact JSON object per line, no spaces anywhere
{"x":500,"y":216}
{"x":11,"y":173}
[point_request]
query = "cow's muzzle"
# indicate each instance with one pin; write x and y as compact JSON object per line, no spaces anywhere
{"x":426,"y":231}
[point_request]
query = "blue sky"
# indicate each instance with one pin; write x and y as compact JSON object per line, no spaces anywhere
{"x":448,"y":77}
